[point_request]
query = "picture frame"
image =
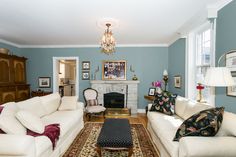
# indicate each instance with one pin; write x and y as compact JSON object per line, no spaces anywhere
{"x":85,"y":65}
{"x":114,"y":70}
{"x":151,"y":91}
{"x":230,"y":60}
{"x":44,"y":82}
{"x":231,"y":91}
{"x":177,"y":81}
{"x":85,"y":75}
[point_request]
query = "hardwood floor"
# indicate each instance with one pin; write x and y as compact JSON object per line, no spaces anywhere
{"x":133,"y":119}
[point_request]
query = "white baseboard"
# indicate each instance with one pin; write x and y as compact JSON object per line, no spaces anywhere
{"x":141,"y":111}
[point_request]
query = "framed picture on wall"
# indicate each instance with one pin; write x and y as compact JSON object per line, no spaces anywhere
{"x":114,"y":70}
{"x":85,"y":75}
{"x":44,"y":82}
{"x":231,"y":91}
{"x":177,"y":81}
{"x":152,"y":91}
{"x":85,"y":65}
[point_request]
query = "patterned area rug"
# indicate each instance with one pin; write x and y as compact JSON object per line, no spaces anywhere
{"x":84,"y":144}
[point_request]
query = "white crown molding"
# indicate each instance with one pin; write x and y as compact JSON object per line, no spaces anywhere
{"x":79,"y":46}
{"x":219,"y":5}
{"x":9,"y":43}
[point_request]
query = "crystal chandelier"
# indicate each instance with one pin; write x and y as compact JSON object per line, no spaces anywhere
{"x":108,"y":41}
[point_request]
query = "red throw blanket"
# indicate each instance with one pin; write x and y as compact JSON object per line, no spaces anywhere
{"x":1,"y":108}
{"x":52,"y":131}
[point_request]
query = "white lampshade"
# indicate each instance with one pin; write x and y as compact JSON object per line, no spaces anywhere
{"x":218,"y":77}
{"x":165,"y":73}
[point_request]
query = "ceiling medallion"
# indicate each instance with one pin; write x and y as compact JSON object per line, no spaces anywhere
{"x":108,"y":41}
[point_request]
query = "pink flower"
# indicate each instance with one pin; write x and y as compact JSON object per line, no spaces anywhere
{"x":157,"y":83}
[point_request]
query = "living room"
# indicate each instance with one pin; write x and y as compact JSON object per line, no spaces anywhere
{"x":150,"y":37}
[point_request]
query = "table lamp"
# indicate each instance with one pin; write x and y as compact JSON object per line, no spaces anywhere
{"x":219,"y":76}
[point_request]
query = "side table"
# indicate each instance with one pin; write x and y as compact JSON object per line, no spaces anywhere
{"x":150,"y":99}
{"x":40,"y":93}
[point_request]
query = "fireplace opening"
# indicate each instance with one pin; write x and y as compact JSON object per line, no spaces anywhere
{"x":114,"y":100}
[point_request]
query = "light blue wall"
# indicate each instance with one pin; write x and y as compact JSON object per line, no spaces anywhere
{"x":225,"y":41}
{"x":13,"y":50}
{"x":148,"y":63}
{"x":176,"y":65}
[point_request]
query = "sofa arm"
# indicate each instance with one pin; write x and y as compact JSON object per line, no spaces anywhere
{"x":17,"y":145}
{"x":149,"y":106}
{"x":207,"y":147}
{"x":80,"y":105}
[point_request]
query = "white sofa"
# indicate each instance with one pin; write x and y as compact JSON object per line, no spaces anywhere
{"x":162,"y":129}
{"x":71,"y":122}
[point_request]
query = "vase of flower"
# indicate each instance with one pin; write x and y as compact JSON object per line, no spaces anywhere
{"x":158,"y":86}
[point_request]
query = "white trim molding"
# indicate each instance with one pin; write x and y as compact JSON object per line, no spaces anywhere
{"x":141,"y":111}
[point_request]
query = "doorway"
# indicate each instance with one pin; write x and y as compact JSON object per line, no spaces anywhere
{"x":65,"y":75}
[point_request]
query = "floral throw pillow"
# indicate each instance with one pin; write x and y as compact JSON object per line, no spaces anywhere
{"x":164,"y":103}
{"x":204,"y":123}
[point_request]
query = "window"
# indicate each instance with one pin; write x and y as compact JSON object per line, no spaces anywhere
{"x":203,"y":59}
{"x":200,"y":57}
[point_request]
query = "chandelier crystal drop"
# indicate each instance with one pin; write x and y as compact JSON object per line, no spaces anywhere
{"x":108,"y":41}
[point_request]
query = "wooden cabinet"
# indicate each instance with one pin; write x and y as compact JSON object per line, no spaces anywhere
{"x":13,"y":85}
{"x":39,"y":93}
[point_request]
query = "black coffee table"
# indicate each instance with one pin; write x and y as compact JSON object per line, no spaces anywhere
{"x":115,"y":135}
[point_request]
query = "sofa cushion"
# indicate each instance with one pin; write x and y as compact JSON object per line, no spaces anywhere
{"x":33,"y":105}
{"x":66,"y":119}
{"x":228,"y":126}
{"x":10,"y":125}
{"x":68,"y":103}
{"x":51,"y":102}
{"x":204,"y":123}
{"x":43,"y":146}
{"x":180,"y":105}
{"x":30,"y":121}
{"x":165,"y":127}
{"x":164,"y":103}
{"x":193,"y":107}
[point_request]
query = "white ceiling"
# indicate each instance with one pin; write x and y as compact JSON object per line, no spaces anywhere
{"x":74,"y":22}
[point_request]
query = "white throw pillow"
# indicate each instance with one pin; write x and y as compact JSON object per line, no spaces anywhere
{"x":68,"y":103}
{"x":10,"y":125}
{"x":9,"y":109}
{"x":30,"y":121}
{"x":33,"y":105}
{"x":51,"y":102}
{"x":180,"y":105}
{"x":228,"y":126}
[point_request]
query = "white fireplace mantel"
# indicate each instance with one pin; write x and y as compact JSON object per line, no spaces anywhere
{"x":128,"y":88}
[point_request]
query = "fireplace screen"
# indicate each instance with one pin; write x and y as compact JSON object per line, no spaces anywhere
{"x":114,"y":100}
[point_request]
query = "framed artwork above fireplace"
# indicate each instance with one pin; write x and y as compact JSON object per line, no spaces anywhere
{"x":114,"y":70}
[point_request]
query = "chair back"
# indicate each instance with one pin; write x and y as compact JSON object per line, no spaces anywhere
{"x":90,"y":95}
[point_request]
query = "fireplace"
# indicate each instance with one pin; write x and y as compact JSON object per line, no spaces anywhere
{"x":114,"y":100}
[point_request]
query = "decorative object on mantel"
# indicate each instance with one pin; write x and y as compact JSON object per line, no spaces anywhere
{"x":134,"y":78}
{"x":85,"y":65}
{"x":108,"y":41}
{"x":177,"y":81}
{"x":95,"y":73}
{"x":114,"y":70}
{"x":165,"y":78}
{"x":199,"y":87}
{"x":221,"y":76}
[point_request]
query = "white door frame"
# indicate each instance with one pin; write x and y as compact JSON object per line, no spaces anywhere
{"x":55,"y":73}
